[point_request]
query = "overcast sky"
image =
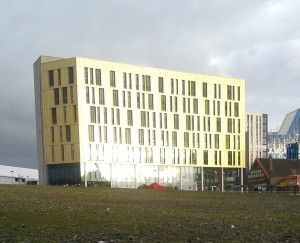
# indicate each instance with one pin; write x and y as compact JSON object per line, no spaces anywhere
{"x":256,"y":40}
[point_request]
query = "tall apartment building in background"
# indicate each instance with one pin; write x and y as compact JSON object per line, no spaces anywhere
{"x":287,"y":134}
{"x":256,"y":137}
{"x":133,"y":125}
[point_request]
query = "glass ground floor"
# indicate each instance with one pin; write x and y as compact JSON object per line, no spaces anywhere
{"x":171,"y":176}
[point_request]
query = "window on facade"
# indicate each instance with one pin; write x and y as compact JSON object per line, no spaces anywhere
{"x":93,"y":114}
{"x":143,"y":119}
{"x":72,"y":152}
{"x":162,"y":155}
{"x":98,"y":76}
{"x":160,"y":84}
{"x":236,"y":109}
{"x":238,"y":93}
{"x":129,"y":118}
{"x":153,"y":138}
{"x":193,"y":88}
{"x":91,"y":133}
{"x":56,"y":96}
{"x":52,"y":153}
{"x":215,"y":91}
{"x":74,"y":113}
{"x":230,"y":92}
{"x":71,"y":94}
{"x":105,"y":115}
{"x":87,"y":95}
{"x":127,"y":136}
{"x":154,"y":119}
{"x":218,"y":123}
{"x":141,"y":136}
{"x":59,"y":77}
{"x":51,"y":78}
{"x":137,"y":85}
{"x":65,"y":95}
{"x":183,"y":105}
{"x":186,"y":140}
{"x":206,"y":107}
{"x":68,"y":133}
{"x":150,"y":101}
{"x":71,"y":75}
{"x":193,"y":156}
{"x":53,"y":115}
{"x":124,"y":80}
{"x":115,"y":135}
{"x":124,"y":99}
{"x":227,"y":141}
{"x":143,"y":100}
{"x":163,"y":103}
{"x":195,"y":106}
{"x":229,"y":125}
{"x":128,"y":99}
{"x":91,"y":76}
{"x":205,"y":157}
{"x":229,"y":157}
{"x":148,"y":83}
{"x":204,"y":89}
{"x":188,"y":122}
{"x":217,"y":141}
{"x":176,"y":121}
{"x":115,"y":98}
{"x":105,"y":134}
{"x":183,"y":87}
{"x":86,"y":75}
{"x":93,"y":95}
{"x":65,"y":114}
{"x":101,"y":96}
{"x":62,"y":152}
{"x":165,"y":121}
{"x":174,"y":139}
{"x":112,"y":79}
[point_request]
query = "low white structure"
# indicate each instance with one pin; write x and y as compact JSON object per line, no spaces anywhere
{"x":18,"y":175}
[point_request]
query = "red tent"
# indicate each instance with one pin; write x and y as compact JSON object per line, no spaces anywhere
{"x":155,"y":186}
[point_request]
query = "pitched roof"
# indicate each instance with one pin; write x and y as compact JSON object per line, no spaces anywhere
{"x":281,"y":167}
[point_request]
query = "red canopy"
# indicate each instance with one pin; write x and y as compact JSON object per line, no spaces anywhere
{"x":155,"y":186}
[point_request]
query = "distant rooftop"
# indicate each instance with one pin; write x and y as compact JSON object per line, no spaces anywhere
{"x":287,"y":122}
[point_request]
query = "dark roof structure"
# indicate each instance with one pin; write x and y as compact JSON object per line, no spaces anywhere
{"x":279,"y":167}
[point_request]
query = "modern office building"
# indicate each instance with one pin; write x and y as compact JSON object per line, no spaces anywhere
{"x":286,"y":135}
{"x":133,"y":125}
{"x":256,"y":137}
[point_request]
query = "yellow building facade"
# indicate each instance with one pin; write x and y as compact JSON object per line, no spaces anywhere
{"x":133,"y":125}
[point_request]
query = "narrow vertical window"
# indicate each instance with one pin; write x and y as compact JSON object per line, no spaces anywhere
{"x":59,"y":77}
{"x":51,"y":78}
{"x":204,"y":90}
{"x":91,"y":76}
{"x":53,"y":115}
{"x":160,"y":84}
{"x":56,"y":96}
{"x":137,"y":84}
{"x":98,"y":76}
{"x":112,"y":79}
{"x":71,"y":75}
{"x":65,"y":95}
{"x":91,"y":133}
{"x":86,"y":75}
{"x":87,"y":95}
{"x":68,"y":133}
{"x":101,"y":96}
{"x":115,"y":98}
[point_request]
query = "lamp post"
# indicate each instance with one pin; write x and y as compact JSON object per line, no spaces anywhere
{"x":12,"y":177}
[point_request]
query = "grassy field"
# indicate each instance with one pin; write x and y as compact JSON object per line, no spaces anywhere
{"x":76,"y":214}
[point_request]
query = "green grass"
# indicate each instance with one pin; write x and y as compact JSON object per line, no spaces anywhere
{"x":76,"y":214}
